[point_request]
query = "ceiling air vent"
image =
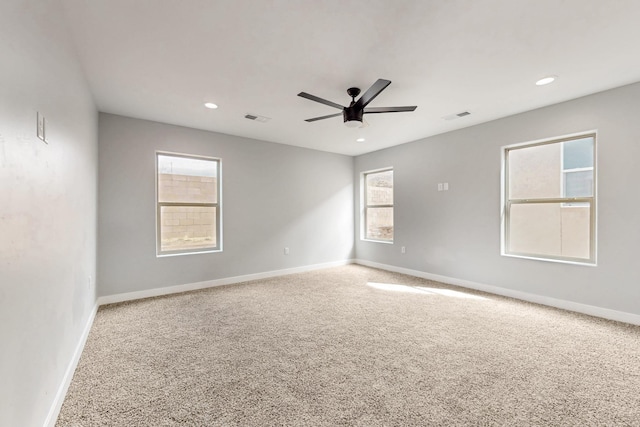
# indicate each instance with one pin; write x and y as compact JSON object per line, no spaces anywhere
{"x":456,"y":116}
{"x":257,"y":118}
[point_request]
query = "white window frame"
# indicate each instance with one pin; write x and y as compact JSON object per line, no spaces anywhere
{"x":505,"y":205}
{"x":217,"y":206}
{"x":365,"y":206}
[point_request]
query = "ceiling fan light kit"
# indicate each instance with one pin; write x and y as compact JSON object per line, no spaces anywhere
{"x":352,"y":115}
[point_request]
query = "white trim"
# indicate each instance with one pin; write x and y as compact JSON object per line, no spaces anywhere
{"x":576,"y":135}
{"x":364,"y":206}
{"x":505,"y":202}
{"x":58,"y":400}
{"x":218,"y":205}
{"x":129,"y":296}
{"x":561,"y":261}
{"x":591,"y":310}
{"x":188,"y":253}
{"x":388,"y":242}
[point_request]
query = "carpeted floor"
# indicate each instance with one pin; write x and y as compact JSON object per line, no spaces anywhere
{"x":352,"y":346}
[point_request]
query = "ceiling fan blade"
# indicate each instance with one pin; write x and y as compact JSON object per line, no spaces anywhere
{"x":372,"y":92}
{"x":389,"y":109}
{"x":320,"y":100}
{"x":323,"y":117}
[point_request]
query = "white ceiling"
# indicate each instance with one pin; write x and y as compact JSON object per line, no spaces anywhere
{"x":162,"y":59}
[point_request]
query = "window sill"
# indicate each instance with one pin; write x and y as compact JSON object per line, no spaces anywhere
{"x":387,"y":242}
{"x":188,"y":253}
{"x":561,"y":261}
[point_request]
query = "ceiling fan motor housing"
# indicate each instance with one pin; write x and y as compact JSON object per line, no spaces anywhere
{"x":352,"y":116}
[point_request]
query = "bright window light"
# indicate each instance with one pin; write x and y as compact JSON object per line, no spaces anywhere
{"x":549,"y":200}
{"x":377,"y":200}
{"x":188,"y":204}
{"x":423,"y":290}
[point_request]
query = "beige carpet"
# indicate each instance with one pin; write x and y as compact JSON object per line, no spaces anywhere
{"x":352,"y":346}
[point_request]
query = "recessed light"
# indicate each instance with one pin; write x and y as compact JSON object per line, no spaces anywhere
{"x":360,"y":140}
{"x":546,"y":80}
{"x":210,"y":105}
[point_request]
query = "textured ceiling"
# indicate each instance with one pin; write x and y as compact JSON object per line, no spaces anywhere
{"x":162,"y":59}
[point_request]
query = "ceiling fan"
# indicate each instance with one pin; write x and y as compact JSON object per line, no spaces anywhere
{"x":352,"y":114}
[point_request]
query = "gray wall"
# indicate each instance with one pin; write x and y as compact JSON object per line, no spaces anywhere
{"x":47,"y":208}
{"x":273,"y":196}
{"x":456,"y":233}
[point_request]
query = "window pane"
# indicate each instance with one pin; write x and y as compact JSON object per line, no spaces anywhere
{"x":187,"y":227}
{"x":379,"y":223}
{"x":535,"y":172}
{"x":379,"y":187}
{"x":187,"y":180}
{"x":578,"y":183}
{"x":578,"y":153}
{"x":549,"y":229}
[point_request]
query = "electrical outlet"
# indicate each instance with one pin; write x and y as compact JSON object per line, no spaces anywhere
{"x":286,"y":251}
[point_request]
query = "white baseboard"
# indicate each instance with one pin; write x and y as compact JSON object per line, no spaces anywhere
{"x":129,"y":296}
{"x":54,"y":411}
{"x":591,"y":310}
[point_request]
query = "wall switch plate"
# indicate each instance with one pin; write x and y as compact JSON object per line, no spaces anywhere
{"x":40,"y":127}
{"x":286,"y":251}
{"x":439,"y":186}
{"x":403,"y":250}
{"x":446,"y":186}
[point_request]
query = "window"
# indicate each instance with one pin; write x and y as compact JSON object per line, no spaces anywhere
{"x":549,"y":200}
{"x":378,"y":205}
{"x":577,"y":169}
{"x":188,"y":204}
